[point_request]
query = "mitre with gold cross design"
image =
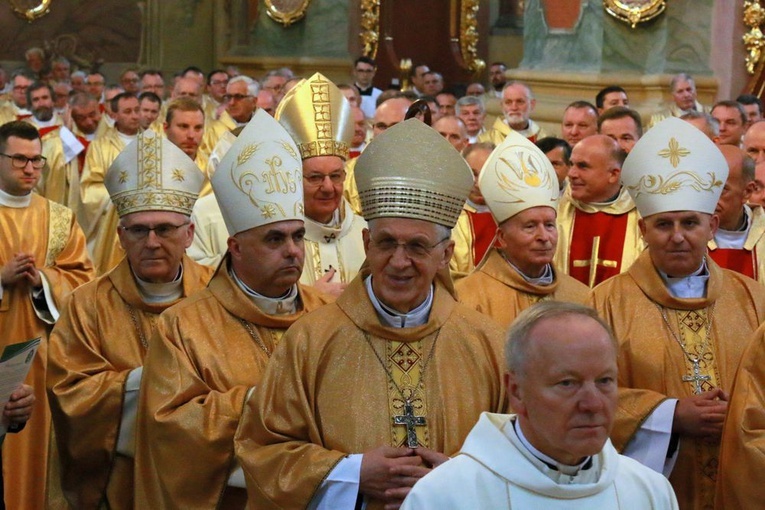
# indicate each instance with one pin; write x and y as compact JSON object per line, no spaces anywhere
{"x":411,"y":171}
{"x":517,"y":176}
{"x":153,"y":174}
{"x":674,"y":167}
{"x":318,"y":117}
{"x":260,"y":179}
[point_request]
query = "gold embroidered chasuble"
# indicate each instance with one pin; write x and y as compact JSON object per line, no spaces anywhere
{"x":202,"y":363}
{"x":325,"y":393}
{"x":95,"y":213}
{"x":742,"y":451}
{"x":340,"y":247}
{"x":350,"y":189}
{"x":499,"y":131}
{"x":48,"y":231}
{"x":567,"y":207}
{"x":94,"y":346}
{"x":653,"y":367}
{"x":499,"y":291}
{"x":60,"y":180}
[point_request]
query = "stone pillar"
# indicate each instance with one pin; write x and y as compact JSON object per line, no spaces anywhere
{"x":566,"y":65}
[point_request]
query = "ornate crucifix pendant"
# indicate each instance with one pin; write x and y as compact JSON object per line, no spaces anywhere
{"x":696,"y":378}
{"x":410,"y":421}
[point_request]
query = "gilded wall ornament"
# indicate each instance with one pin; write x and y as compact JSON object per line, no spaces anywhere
{"x":469,"y":36}
{"x":286,"y":12}
{"x":30,"y":14}
{"x":633,"y":12}
{"x":754,"y":15}
{"x":370,"y":27}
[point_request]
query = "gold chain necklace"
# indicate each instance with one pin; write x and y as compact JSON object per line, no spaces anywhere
{"x":141,"y":337}
{"x":408,"y":419}
{"x":696,"y":379}
{"x":255,"y":337}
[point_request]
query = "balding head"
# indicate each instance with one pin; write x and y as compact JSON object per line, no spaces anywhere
{"x":188,"y":87}
{"x":390,"y":113}
{"x":737,"y":189}
{"x":754,"y":141}
{"x":596,"y":164}
{"x":453,"y":129}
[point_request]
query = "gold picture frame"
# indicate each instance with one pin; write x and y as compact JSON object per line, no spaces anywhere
{"x":633,"y":12}
{"x":30,"y":14}
{"x":286,"y":12}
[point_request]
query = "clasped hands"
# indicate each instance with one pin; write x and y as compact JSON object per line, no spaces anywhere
{"x":21,"y":267}
{"x":388,"y":473}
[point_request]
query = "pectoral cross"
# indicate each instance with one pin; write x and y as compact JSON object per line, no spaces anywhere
{"x":594,"y":261}
{"x":409,"y":420}
{"x":696,"y":378}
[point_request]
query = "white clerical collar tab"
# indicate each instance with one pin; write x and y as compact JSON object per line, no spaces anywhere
{"x":283,"y":305}
{"x":394,"y":319}
{"x":14,"y":201}
{"x":693,"y":286}
{"x":161,"y":292}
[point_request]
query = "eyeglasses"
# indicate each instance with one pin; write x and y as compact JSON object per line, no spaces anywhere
{"x":317,"y":179}
{"x":165,"y":230}
{"x":235,"y":97}
{"x":219,"y":82}
{"x":20,"y":161}
{"x":413,"y":249}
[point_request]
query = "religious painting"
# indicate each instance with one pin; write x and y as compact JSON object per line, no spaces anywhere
{"x":84,"y":31}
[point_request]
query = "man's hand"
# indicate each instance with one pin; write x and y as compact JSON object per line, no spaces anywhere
{"x":701,"y":415}
{"x":324,"y":285}
{"x":431,"y":458}
{"x":19,"y":408}
{"x":387,"y":474}
{"x":17,"y":268}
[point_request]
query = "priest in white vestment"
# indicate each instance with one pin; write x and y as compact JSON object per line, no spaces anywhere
{"x":319,"y":119}
{"x":555,"y":453}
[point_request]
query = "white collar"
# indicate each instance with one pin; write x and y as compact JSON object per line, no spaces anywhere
{"x":126,"y":139}
{"x":544,"y":280}
{"x":282,"y":305}
{"x":392,"y":318}
{"x":693,"y":286}
{"x":14,"y":201}
{"x":735,"y":239}
{"x":161,"y":292}
{"x":46,"y":123}
{"x":330,"y":232}
{"x":563,"y":468}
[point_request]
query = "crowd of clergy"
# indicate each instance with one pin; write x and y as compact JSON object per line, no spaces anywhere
{"x":286,"y":292}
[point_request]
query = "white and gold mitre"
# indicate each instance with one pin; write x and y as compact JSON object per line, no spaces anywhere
{"x":152,"y":174}
{"x":674,"y":167}
{"x":260,"y":179}
{"x":517,"y":176}
{"x":318,"y":117}
{"x":411,"y":171}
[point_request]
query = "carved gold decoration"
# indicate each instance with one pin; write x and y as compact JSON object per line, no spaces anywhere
{"x":30,"y":13}
{"x":633,"y":12}
{"x":469,"y":36}
{"x":674,"y":152}
{"x":658,"y":185}
{"x":370,"y":25}
{"x":286,"y":12}
{"x":754,"y":15}
{"x":404,"y":68}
